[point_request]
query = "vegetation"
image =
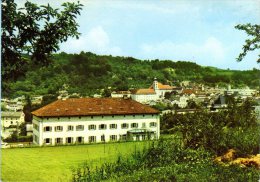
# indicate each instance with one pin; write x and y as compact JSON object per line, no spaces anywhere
{"x":55,"y":163}
{"x":250,"y":44}
{"x":36,"y":30}
{"x":234,"y":128}
{"x":188,"y":155}
{"x":89,"y":74}
{"x":166,"y":160}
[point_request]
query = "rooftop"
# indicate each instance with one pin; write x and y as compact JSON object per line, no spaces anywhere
{"x":93,"y":107}
{"x":143,"y":91}
{"x":162,"y":87}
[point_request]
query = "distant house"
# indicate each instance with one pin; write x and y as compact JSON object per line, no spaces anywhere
{"x":10,"y":122}
{"x":121,"y":94}
{"x":244,"y":92}
{"x":182,"y":101}
{"x":156,"y":91}
{"x":161,"y":89}
{"x":90,"y":120}
{"x":220,"y":102}
{"x":144,"y":95}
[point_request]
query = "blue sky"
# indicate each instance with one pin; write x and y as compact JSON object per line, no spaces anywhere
{"x":201,"y":31}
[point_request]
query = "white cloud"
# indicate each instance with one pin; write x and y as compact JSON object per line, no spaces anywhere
{"x":96,"y":40}
{"x":210,"y":52}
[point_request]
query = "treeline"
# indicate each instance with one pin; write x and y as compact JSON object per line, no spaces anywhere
{"x":235,"y":127}
{"x":87,"y":73}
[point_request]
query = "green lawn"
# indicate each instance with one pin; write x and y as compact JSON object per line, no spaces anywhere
{"x":55,"y":163}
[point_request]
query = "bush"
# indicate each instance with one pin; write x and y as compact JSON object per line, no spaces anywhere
{"x":25,"y":138}
{"x":165,"y":160}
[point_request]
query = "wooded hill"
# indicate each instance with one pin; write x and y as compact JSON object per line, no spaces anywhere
{"x":87,"y":73}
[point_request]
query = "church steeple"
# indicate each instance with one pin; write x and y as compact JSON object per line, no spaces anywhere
{"x":155,"y":84}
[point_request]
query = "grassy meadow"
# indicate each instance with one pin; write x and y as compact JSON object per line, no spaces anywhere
{"x":56,"y":163}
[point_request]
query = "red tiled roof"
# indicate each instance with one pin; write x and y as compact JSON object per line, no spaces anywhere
{"x":162,"y":87}
{"x":93,"y":107}
{"x":143,"y":92}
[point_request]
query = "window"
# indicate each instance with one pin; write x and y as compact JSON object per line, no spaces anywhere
{"x":153,"y":124}
{"x":47,"y":128}
{"x":102,"y":126}
{"x":124,"y":125}
{"x":113,"y":137}
{"x":80,"y":127}
{"x":69,"y":140}
{"x":143,"y":137}
{"x":58,"y":128}
{"x":58,"y":140}
{"x":47,"y":141}
{"x":92,"y":127}
{"x":92,"y":139}
{"x":113,"y":126}
{"x":80,"y":139}
{"x":143,"y":125}
{"x":134,"y":125}
{"x":70,"y":128}
{"x":103,"y":138}
{"x":123,"y":137}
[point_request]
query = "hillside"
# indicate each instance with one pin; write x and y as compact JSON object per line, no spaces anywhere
{"x":87,"y":73}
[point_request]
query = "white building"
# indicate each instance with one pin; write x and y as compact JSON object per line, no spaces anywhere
{"x":87,"y":120}
{"x":182,"y":101}
{"x":160,"y":89}
{"x":144,"y":95}
{"x":10,"y":121}
{"x":121,"y":94}
{"x":244,"y":92}
{"x":156,"y":91}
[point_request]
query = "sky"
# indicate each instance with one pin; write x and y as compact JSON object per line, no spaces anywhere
{"x":200,"y":31}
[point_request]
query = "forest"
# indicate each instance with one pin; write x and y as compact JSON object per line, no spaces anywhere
{"x":88,"y":74}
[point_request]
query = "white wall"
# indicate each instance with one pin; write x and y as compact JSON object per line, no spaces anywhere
{"x":144,"y":98}
{"x":96,"y":120}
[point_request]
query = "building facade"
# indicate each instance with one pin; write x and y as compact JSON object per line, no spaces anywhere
{"x":90,"y":120}
{"x":155,"y":92}
{"x":10,"y":122}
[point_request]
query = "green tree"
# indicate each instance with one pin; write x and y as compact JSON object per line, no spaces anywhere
{"x":250,"y":44}
{"x":34,"y":30}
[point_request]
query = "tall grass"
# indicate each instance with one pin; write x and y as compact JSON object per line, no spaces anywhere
{"x":165,"y":160}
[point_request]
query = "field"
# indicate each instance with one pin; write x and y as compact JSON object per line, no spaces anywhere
{"x":55,"y":163}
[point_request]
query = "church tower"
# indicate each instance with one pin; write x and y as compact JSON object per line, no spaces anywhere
{"x":155,"y":84}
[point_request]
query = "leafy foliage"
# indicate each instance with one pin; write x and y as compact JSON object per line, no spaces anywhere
{"x":36,"y":30}
{"x":233,"y":128}
{"x":250,"y":44}
{"x":165,"y":160}
{"x":87,"y":73}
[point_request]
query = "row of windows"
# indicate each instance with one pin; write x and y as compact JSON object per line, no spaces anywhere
{"x":93,"y":127}
{"x":91,"y":139}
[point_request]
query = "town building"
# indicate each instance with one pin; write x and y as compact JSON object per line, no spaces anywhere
{"x":156,"y":91}
{"x":144,"y":95}
{"x":121,"y":94}
{"x":10,"y":122}
{"x":90,"y":120}
{"x":244,"y":92}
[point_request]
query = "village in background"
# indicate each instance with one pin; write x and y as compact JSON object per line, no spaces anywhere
{"x":189,"y":97}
